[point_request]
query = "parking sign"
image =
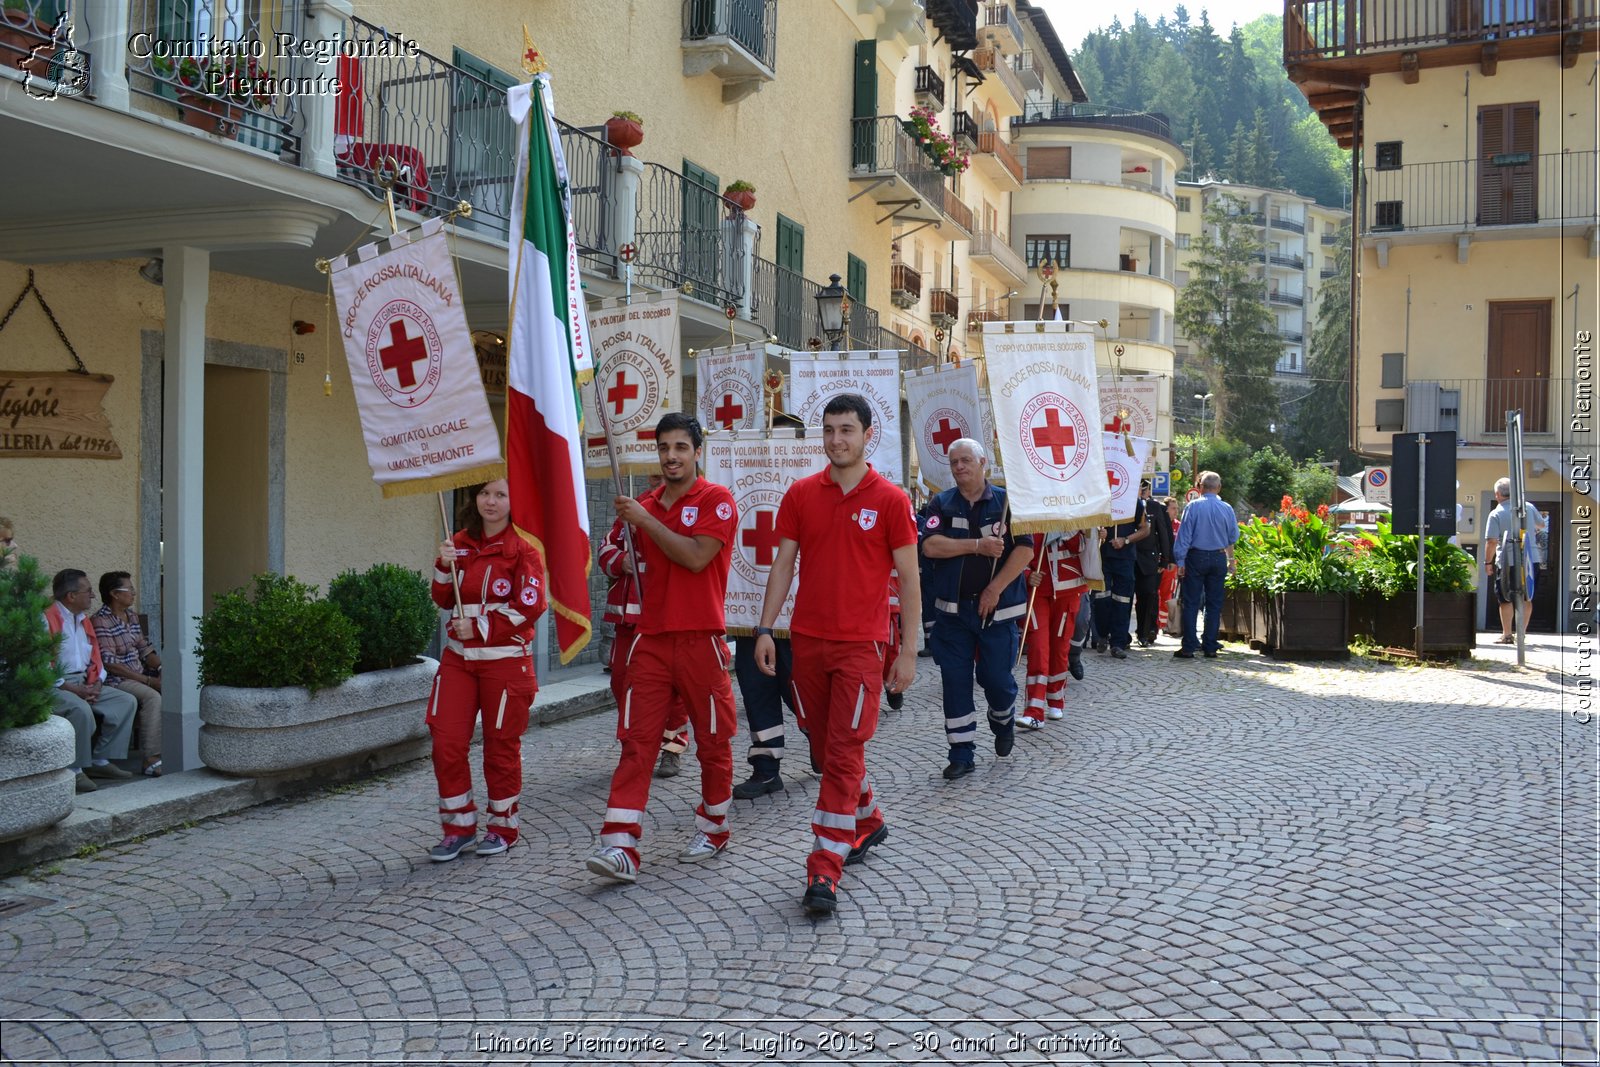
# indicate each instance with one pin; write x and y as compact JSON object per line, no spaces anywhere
{"x":1161,"y":483}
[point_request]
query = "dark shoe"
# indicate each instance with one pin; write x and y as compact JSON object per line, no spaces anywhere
{"x":1075,"y":666}
{"x":106,"y":771}
{"x":667,"y":765}
{"x":452,"y":846}
{"x":1119,"y":653}
{"x":1183,"y":653}
{"x":754,"y":786}
{"x":924,"y":653}
{"x":859,"y":853}
{"x":957,"y":770}
{"x":1099,"y":646}
{"x":1211,"y":655}
{"x":893,"y":699}
{"x":1004,"y":740}
{"x":83,"y":783}
{"x":822,"y":897}
{"x":492,"y":845}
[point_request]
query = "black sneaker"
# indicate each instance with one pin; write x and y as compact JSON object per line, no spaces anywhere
{"x":1211,"y":655}
{"x":1119,"y":653}
{"x":859,"y":853}
{"x":756,"y":786}
{"x":1183,"y":654}
{"x":957,"y":770}
{"x":893,"y":699}
{"x":1075,"y":665}
{"x":924,"y":653}
{"x":1004,"y":740}
{"x":822,"y":896}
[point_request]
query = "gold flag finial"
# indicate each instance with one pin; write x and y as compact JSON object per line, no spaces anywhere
{"x":532,"y":59}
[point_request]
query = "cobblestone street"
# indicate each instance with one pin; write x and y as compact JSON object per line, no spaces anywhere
{"x":1212,"y":861}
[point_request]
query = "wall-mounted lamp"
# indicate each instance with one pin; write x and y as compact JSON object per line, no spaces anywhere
{"x":302,"y":327}
{"x":152,"y":271}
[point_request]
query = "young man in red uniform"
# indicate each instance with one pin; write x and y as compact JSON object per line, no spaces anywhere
{"x":623,"y":605}
{"x":850,"y":526}
{"x":1057,"y":574}
{"x":683,"y":532}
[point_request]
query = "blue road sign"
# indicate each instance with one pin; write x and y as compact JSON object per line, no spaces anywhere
{"x":1161,"y":483}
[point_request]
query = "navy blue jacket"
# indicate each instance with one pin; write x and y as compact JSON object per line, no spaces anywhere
{"x":950,"y":515}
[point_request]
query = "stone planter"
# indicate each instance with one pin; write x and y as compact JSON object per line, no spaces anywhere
{"x":36,"y":783}
{"x":260,"y":732}
{"x":1447,"y":622}
{"x":1306,"y":626}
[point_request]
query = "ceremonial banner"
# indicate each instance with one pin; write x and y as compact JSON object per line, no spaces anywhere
{"x":758,"y":467}
{"x":943,"y":406}
{"x":816,"y":377}
{"x":986,"y":436}
{"x":1046,"y":411}
{"x":1123,"y":472}
{"x":1130,"y":404}
{"x":728,"y":382}
{"x":637,"y":380}
{"x":413,"y":366}
{"x":549,"y":359}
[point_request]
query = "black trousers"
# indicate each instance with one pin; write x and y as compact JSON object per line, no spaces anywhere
{"x":1146,"y":604}
{"x":763,"y":697}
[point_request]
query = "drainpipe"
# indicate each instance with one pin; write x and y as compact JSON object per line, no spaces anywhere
{"x":1359,"y":201}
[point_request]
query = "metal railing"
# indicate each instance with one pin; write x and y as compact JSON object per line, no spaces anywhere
{"x":965,"y":128}
{"x":928,"y":82}
{"x":1553,"y":187}
{"x":1000,"y":15}
{"x":1337,"y":29}
{"x":994,"y":246}
{"x":27,"y":34}
{"x":1027,"y":70}
{"x":687,"y":234}
{"x":1291,"y":335}
{"x":1329,"y":272}
{"x":1292,"y":225}
{"x":591,"y":173}
{"x":1147,"y":122}
{"x":881,"y":145}
{"x":784,"y":303}
{"x":1475,"y":408}
{"x":1280,"y":259}
{"x":1289,"y":299}
{"x":913,"y":356}
{"x":175,"y":54}
{"x":991,"y":143}
{"x":992,"y":62}
{"x":1330,"y":238}
{"x":950,"y":202}
{"x":905,"y":279}
{"x":943,"y":303}
{"x":751,"y":24}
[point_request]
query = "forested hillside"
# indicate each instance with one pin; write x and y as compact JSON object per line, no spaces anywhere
{"x":1227,"y":98}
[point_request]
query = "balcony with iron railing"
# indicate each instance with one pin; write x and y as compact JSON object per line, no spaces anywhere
{"x":928,"y":86}
{"x":27,"y":28}
{"x":965,"y":129}
{"x":1475,"y":408}
{"x":1027,"y":71}
{"x":1327,"y":31}
{"x":1287,"y":299}
{"x":784,"y":303}
{"x":735,"y":39}
{"x":996,"y":159}
{"x":1292,"y":336}
{"x":994,"y":252}
{"x":883,"y":154}
{"x":1511,"y":189}
{"x":905,"y":285}
{"x":1330,"y":239}
{"x":1061,"y":113}
{"x":994,"y":64}
{"x":1283,"y":259}
{"x":1292,"y":225}
{"x":687,"y":238}
{"x":944,"y":307}
{"x":1001,"y":27}
{"x":1329,"y":272}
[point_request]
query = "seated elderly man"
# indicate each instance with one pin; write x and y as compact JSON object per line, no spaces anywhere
{"x":81,"y":696}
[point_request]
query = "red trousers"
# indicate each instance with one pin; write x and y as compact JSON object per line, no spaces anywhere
{"x":1169,"y":589}
{"x":1049,"y":643}
{"x":691,"y":667}
{"x":675,"y":735}
{"x":893,"y":648}
{"x":836,"y":689}
{"x":503,"y":689}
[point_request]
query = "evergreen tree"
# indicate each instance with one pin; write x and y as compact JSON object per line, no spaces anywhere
{"x":1223,"y":311}
{"x":1263,"y":166}
{"x":1321,"y":424}
{"x":1238,"y":165}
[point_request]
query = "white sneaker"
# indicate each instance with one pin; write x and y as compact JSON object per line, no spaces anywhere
{"x":613,"y":864}
{"x":700,"y":849}
{"x":1026,"y":723}
{"x":1054,"y":713}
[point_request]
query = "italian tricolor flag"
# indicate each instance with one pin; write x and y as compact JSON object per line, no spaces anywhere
{"x":548,"y":360}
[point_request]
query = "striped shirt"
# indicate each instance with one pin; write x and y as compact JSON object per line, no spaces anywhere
{"x":120,"y":642}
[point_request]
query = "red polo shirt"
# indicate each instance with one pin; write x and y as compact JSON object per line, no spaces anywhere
{"x":675,"y":598}
{"x":847,"y":543}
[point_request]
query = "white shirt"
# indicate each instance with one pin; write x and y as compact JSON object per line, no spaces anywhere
{"x":75,"y":654}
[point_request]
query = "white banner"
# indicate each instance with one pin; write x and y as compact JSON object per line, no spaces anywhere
{"x":1046,"y":412}
{"x":943,"y":406}
{"x":1124,"y":471}
{"x":412,"y":366}
{"x":815,"y":378}
{"x":637,"y":379}
{"x":729,"y":384}
{"x":758,"y":468}
{"x":1130,"y":404}
{"x":997,"y":472}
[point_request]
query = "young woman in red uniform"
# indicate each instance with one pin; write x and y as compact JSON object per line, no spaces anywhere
{"x":487,"y":667}
{"x":1057,"y":575}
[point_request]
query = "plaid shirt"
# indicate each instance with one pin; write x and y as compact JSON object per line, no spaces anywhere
{"x":120,"y":642}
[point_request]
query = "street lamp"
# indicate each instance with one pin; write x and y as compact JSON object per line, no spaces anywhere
{"x":833,"y":310}
{"x":1203,"y":400}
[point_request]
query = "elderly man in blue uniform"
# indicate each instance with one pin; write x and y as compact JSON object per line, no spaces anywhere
{"x":1204,"y":554}
{"x":979,"y":598}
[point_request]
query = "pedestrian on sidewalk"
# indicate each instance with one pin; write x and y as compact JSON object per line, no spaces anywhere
{"x":1500,"y":534}
{"x":683,"y":532}
{"x":1153,"y":558}
{"x":1204,"y":554}
{"x":486,"y":668}
{"x":849,"y":526}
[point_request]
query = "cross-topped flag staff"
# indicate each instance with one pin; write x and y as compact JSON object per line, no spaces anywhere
{"x":626,"y":254}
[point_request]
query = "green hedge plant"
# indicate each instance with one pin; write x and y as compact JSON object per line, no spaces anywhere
{"x":393,"y":613}
{"x":1385,"y":563}
{"x":27,"y":647}
{"x":282,"y":635}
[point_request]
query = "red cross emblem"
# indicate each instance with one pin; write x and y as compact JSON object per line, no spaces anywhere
{"x":622,"y":391}
{"x":402,"y":354}
{"x":1114,"y":477}
{"x":729,"y":412}
{"x":762,"y":537}
{"x":946,"y":435}
{"x":401,"y":336}
{"x":1054,"y":436}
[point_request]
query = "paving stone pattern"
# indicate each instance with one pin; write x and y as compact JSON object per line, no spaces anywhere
{"x":1231,"y":861}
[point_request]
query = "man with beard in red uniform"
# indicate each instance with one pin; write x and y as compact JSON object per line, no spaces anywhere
{"x":487,"y":664}
{"x":850,"y":527}
{"x":1057,"y":574}
{"x":683,"y":531}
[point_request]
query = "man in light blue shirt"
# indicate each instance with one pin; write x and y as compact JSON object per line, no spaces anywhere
{"x":1502,"y":527}
{"x":1204,"y":554}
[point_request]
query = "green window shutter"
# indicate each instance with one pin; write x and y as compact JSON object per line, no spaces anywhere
{"x":865,"y":96}
{"x":856,"y":280}
{"x":791,"y":245}
{"x":701,"y":222}
{"x":480,"y":69}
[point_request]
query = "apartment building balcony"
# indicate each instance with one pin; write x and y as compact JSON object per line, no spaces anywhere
{"x":1328,"y":272}
{"x":976,"y":319}
{"x":894,"y":170}
{"x":996,"y":161}
{"x":965,"y":129}
{"x":1329,"y":239}
{"x":1475,"y":408}
{"x":944,"y":308}
{"x":1513,"y":194}
{"x":994,"y":252}
{"x":1293,"y":337}
{"x":784,"y":303}
{"x":1001,"y":28}
{"x":737,"y":40}
{"x":905,"y":286}
{"x":1027,"y":71}
{"x":25,"y":25}
{"x":954,"y":209}
{"x":1284,"y":259}
{"x":1286,"y":299}
{"x":995,"y":64}
{"x":1291,"y":225}
{"x":927,"y":84}
{"x":1097,"y":116}
{"x":956,"y":21}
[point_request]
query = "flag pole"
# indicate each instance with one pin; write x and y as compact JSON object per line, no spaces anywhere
{"x":625,"y":254}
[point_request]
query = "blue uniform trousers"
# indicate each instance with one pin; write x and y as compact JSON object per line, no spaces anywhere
{"x":957,"y":641}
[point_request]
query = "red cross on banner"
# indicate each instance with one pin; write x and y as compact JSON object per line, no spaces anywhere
{"x":729,"y":412}
{"x":622,"y":391}
{"x":762,"y":537}
{"x":946,"y":435}
{"x":402,"y":354}
{"x":1054,"y":436}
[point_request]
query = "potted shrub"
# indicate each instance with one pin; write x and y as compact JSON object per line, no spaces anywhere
{"x":741,"y":193}
{"x":1384,"y":604}
{"x":215,"y":92}
{"x":278,"y":673}
{"x":1300,"y":571}
{"x":923,"y":126}
{"x":37,"y":748}
{"x":624,"y":131}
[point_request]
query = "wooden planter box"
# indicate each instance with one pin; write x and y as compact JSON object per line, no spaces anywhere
{"x":1228,"y":624}
{"x":1448,"y":625}
{"x":1307,"y":626}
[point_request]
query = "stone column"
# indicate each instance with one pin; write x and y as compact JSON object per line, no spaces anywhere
{"x":102,"y":31}
{"x":187,"y":282}
{"x":624,"y":221}
{"x":327,"y":20}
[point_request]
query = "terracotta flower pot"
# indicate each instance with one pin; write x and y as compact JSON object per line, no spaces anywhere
{"x":209,"y":113}
{"x":623,"y":135}
{"x":22,"y":39}
{"x":745,"y":199}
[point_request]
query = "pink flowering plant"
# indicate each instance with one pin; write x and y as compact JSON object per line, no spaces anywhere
{"x":939,"y":147}
{"x":1294,"y":551}
{"x":239,"y":79}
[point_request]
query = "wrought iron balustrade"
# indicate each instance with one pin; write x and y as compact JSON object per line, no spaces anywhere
{"x":752,"y":24}
{"x":1510,"y":189}
{"x":687,"y":234}
{"x":1475,"y":408}
{"x":1340,"y":29}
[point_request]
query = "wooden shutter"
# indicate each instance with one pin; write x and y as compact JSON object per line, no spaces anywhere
{"x":856,"y":279}
{"x":1508,"y":158}
{"x":1049,"y":163}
